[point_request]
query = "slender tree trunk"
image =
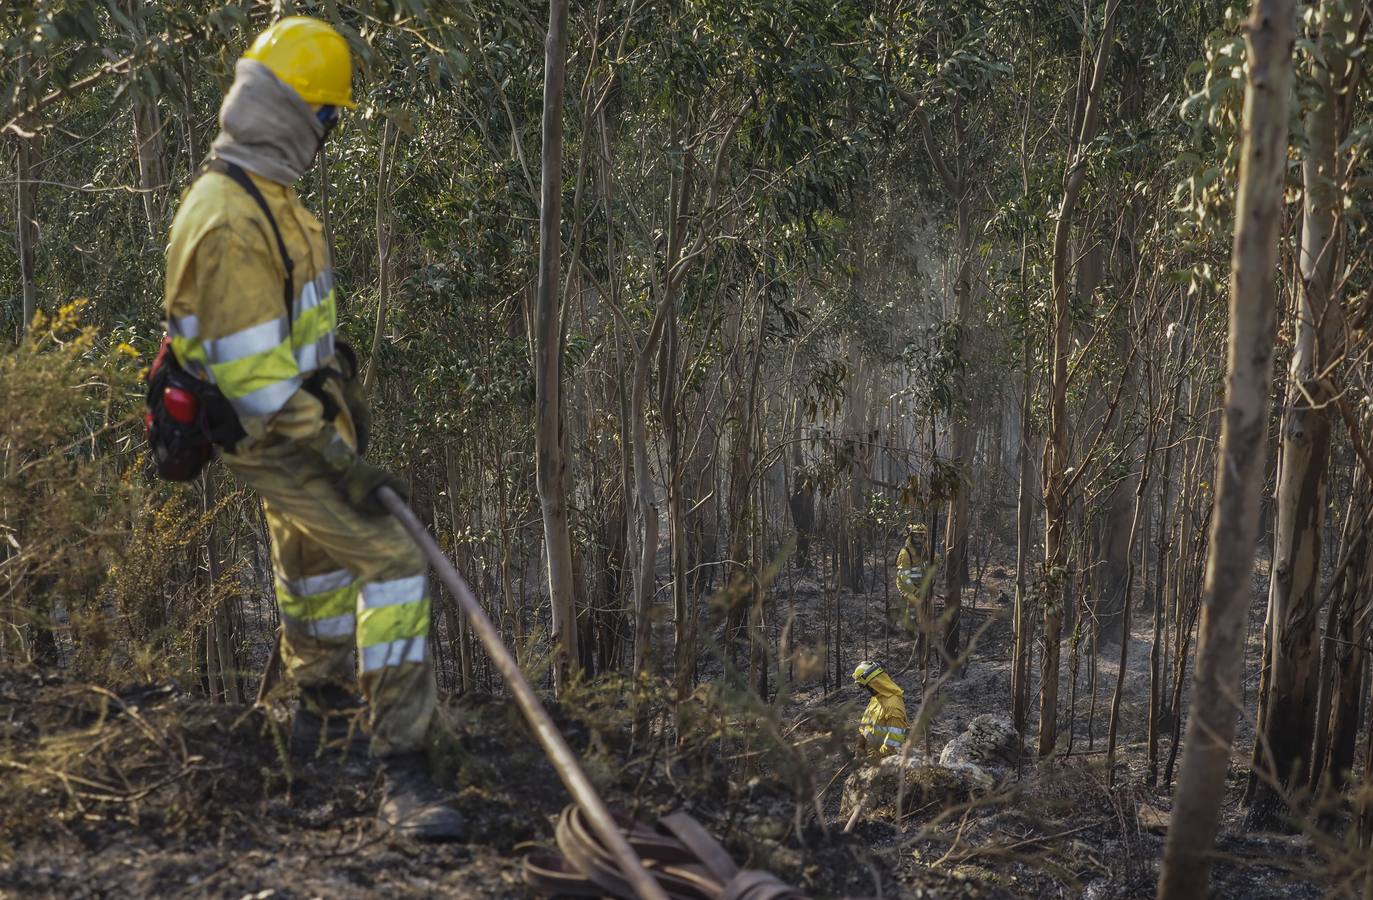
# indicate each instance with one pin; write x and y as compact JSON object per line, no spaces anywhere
{"x":1024,"y":617}
{"x":224,"y":669}
{"x":964,"y":435}
{"x":1364,"y":805}
{"x":1024,"y":614}
{"x":758,"y":622}
{"x":801,"y":496}
{"x":152,"y":177}
{"x":1160,"y":602}
{"x":743,"y":582}
{"x":1057,"y":505}
{"x":645,"y":504}
{"x":26,"y":234}
{"x":457,"y":622}
{"x":1346,"y":640}
{"x":631,"y":399}
{"x":550,"y":464}
{"x":1240,"y":460}
{"x":1350,"y":534}
{"x":1294,"y":596}
{"x":384,"y":166}
{"x":147,"y":141}
{"x":322,"y":185}
{"x":1141,"y":504}
{"x":669,"y":409}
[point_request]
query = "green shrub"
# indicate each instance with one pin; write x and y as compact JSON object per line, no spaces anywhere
{"x":98,"y":570}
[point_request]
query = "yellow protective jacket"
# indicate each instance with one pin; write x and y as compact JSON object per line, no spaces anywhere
{"x":912,"y":572}
{"x":226,"y":310}
{"x":883,"y":726}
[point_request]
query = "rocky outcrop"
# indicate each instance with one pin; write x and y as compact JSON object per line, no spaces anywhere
{"x":990,"y":743}
{"x":895,"y":786}
{"x":976,"y":762}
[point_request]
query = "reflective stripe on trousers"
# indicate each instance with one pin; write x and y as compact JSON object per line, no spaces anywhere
{"x":320,"y":606}
{"x":393,"y":623}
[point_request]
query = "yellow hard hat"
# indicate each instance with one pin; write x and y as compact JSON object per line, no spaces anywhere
{"x":866,"y":672}
{"x":917,"y":528}
{"x":311,"y":57}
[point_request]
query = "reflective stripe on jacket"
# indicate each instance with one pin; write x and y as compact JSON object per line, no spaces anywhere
{"x":883,"y":726}
{"x":226,"y":310}
{"x":911,"y":571}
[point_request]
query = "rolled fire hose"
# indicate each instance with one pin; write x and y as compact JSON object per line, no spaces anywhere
{"x":561,"y":755}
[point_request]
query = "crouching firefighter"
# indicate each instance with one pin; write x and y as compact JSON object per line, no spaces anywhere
{"x":882,"y":730}
{"x":256,"y":369}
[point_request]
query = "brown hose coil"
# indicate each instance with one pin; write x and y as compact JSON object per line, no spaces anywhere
{"x":686,"y":861}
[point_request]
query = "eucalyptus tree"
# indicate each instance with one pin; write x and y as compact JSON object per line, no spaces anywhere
{"x":1240,"y":461}
{"x":1059,"y":474}
{"x":1328,"y":87}
{"x":548,"y":352}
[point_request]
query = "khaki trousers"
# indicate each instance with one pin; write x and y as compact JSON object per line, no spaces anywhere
{"x":345,"y":580}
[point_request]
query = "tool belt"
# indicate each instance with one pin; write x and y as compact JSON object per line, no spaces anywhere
{"x":185,"y":418}
{"x":686,"y":861}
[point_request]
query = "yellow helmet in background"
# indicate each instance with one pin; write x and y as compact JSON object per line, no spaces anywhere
{"x":866,"y":672}
{"x":311,"y":57}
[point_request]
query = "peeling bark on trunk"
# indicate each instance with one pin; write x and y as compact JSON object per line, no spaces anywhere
{"x":550,"y":462}
{"x":1294,"y":594}
{"x":1240,"y":461}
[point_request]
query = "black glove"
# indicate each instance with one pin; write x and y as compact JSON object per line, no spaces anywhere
{"x":355,"y":477}
{"x":359,"y":483}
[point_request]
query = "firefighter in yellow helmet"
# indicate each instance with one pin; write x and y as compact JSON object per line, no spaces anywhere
{"x":252,"y":311}
{"x":883,"y":726}
{"x":913,"y":564}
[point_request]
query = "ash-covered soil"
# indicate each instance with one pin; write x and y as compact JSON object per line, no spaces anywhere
{"x":149,"y":791}
{"x":157,"y":794}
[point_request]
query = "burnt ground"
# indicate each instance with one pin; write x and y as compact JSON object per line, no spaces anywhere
{"x":1059,"y":830}
{"x":148,"y":791}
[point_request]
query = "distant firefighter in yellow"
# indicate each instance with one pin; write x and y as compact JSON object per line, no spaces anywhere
{"x":883,"y":726}
{"x":912,"y":566}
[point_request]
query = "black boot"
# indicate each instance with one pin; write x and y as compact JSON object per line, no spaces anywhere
{"x":328,"y":721}
{"x":413,"y":806}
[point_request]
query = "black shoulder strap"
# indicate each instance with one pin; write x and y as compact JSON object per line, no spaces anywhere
{"x":240,"y":177}
{"x":315,"y":383}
